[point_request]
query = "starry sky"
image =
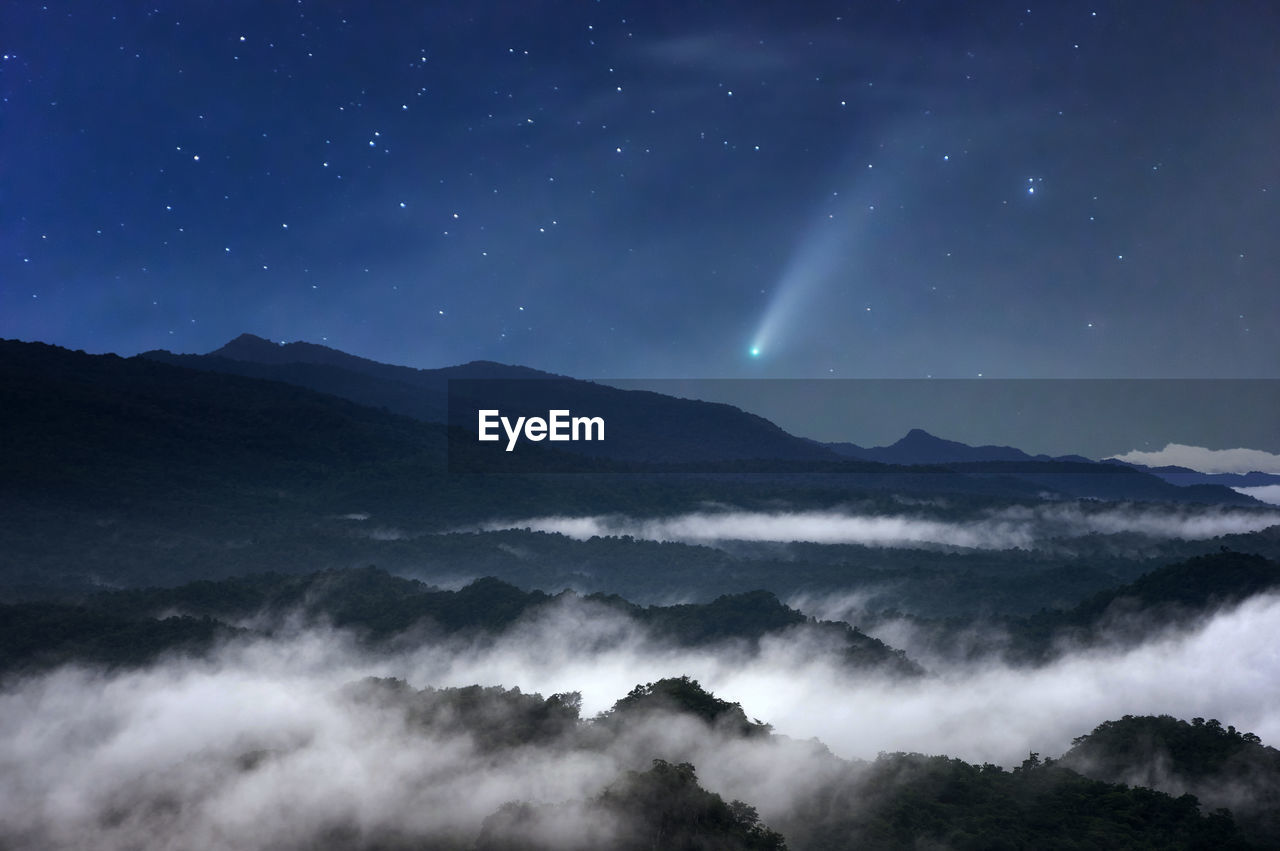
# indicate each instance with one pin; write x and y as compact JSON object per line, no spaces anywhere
{"x":652,"y":189}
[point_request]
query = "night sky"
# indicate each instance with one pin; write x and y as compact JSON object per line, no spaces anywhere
{"x":652,"y":189}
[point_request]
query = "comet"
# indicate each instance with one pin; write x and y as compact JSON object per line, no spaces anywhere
{"x":820,"y":256}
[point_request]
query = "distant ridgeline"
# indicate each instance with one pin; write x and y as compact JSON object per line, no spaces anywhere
{"x":128,"y":628}
{"x":275,"y":419}
{"x":648,"y":431}
{"x":133,"y":627}
{"x":78,"y":422}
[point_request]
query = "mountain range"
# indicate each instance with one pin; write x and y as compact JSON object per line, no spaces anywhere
{"x":1186,"y":476}
{"x":920,"y":447}
{"x":652,"y":428}
{"x":316,"y":410}
{"x":648,"y":427}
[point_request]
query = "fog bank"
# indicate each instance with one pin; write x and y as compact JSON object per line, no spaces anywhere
{"x":241,"y":750}
{"x":1006,"y":528}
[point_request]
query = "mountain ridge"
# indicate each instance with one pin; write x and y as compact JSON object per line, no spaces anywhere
{"x":1178,"y":475}
{"x":135,"y":395}
{"x":394,"y":388}
{"x":918,"y":446}
{"x":662,"y":429}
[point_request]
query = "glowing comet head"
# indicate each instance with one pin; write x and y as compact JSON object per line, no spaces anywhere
{"x":755,"y":351}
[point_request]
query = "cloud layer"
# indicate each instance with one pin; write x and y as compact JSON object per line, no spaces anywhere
{"x":1269,"y":494}
{"x":1006,"y":528}
{"x":262,"y":747}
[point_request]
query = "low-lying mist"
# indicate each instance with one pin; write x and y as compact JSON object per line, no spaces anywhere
{"x":998,"y":529}
{"x":261,"y":745}
{"x":1269,"y":494}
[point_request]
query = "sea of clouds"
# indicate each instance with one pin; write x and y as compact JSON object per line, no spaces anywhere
{"x":156,"y":757}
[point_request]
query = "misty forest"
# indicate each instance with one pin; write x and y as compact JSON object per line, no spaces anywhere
{"x":277,"y":597}
{"x":624,"y":425}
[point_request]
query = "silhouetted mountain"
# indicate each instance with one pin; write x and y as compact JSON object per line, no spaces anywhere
{"x":252,"y":349}
{"x":1067,"y":475}
{"x":920,"y":447}
{"x":641,"y":426}
{"x":650,"y":428}
{"x":135,"y":428}
{"x":1091,"y":480}
{"x":417,"y":393}
{"x":248,"y":347}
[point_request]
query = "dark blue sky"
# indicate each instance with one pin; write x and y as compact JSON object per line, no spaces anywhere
{"x":650,"y":189}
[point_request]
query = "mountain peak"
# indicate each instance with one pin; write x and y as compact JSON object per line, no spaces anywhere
{"x":249,"y":347}
{"x":918,"y":446}
{"x":245,"y":340}
{"x":255,"y":349}
{"x":918,"y":438}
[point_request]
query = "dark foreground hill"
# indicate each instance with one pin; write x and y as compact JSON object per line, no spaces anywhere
{"x":900,"y":800}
